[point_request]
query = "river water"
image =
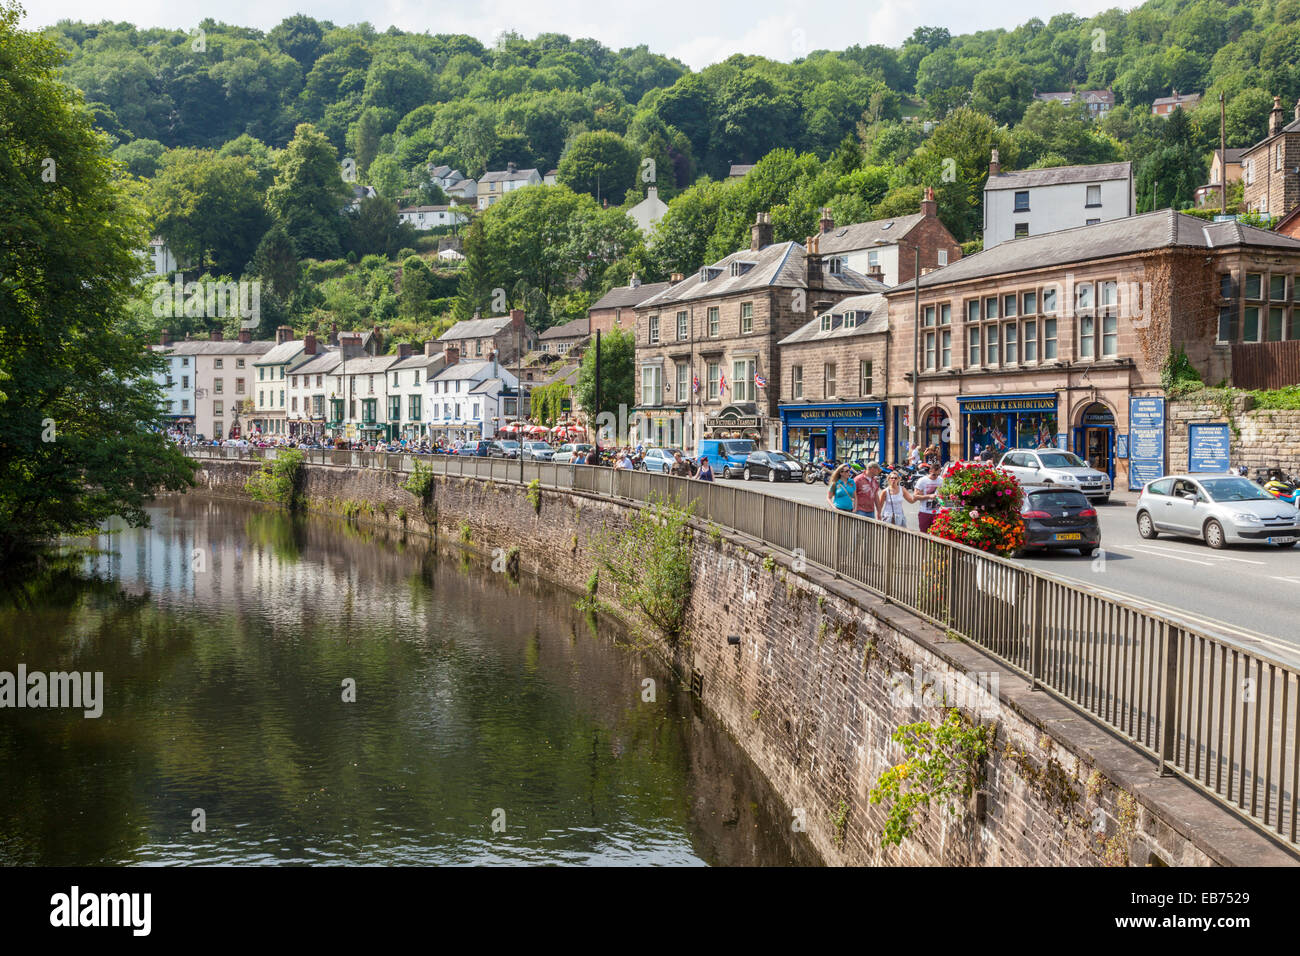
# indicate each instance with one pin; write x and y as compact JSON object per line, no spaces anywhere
{"x":492,"y":722}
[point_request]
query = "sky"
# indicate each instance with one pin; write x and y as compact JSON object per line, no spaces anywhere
{"x":695,"y":33}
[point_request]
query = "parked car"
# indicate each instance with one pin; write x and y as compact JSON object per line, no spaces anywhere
{"x":726,"y":455}
{"x":478,"y":448}
{"x":659,"y":459}
{"x":1042,"y":467}
{"x":772,"y":465}
{"x":506,"y":448}
{"x":538,"y":451}
{"x":1060,"y":518}
{"x":1219,"y":509}
{"x":571,"y":450}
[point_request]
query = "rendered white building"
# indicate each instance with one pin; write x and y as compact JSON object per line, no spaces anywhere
{"x":1032,"y":202}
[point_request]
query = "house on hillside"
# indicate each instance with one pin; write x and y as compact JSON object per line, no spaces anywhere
{"x":1031,"y":202}
{"x":505,"y":336}
{"x":614,"y":308}
{"x":885,"y":249}
{"x":494,"y":185}
{"x":1164,"y":105}
{"x":647,"y":213}
{"x":1099,"y":102}
{"x":1271,"y":168}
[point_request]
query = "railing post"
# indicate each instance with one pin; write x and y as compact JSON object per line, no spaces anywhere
{"x":763,"y":524}
{"x":1036,"y":648}
{"x":1167,"y":731}
{"x":889,"y":563}
{"x":835,"y":560}
{"x":734,"y":495}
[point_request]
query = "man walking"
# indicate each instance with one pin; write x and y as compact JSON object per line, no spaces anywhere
{"x":927,"y":488}
{"x":866,"y":487}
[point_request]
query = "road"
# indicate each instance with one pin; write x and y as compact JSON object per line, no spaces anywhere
{"x":1254,"y":587}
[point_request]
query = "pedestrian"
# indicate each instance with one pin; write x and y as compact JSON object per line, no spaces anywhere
{"x":866,"y":488}
{"x":840,"y":493}
{"x":889,"y":503}
{"x":593,"y":456}
{"x":680,"y":467}
{"x":987,"y":454}
{"x":914,"y":455}
{"x":706,"y":470}
{"x":927,"y":489}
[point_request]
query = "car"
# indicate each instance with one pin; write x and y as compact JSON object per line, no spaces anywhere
{"x":772,"y":465}
{"x":1059,"y":518}
{"x":538,"y":451}
{"x":572,"y":451}
{"x":506,"y":448}
{"x":478,"y":448}
{"x":1219,"y":509}
{"x":1035,"y":467}
{"x":660,"y":459}
{"x":726,"y":455}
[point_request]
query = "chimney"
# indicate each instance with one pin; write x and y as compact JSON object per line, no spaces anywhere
{"x":450,"y":355}
{"x":812,"y":262}
{"x":652,"y":192}
{"x":876,"y":272}
{"x":675,"y":278}
{"x":928,"y":206}
{"x":632,"y":283}
{"x":376,"y":340}
{"x":1297,"y":110}
{"x":403,"y":350}
{"x":1275,"y":123}
{"x":995,"y":165}
{"x":214,"y":335}
{"x":283,"y":333}
{"x":245,"y":335}
{"x":334,"y":334}
{"x":431,"y":348}
{"x":517,"y":321}
{"x":826,"y":222}
{"x":511,"y":167}
{"x":165,"y":337}
{"x":309,"y":343}
{"x":761,"y":232}
{"x":477,"y":315}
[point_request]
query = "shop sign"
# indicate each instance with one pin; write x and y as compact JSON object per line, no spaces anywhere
{"x":1032,"y":403}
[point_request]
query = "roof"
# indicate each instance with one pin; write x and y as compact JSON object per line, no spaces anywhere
{"x":487,"y":385}
{"x":284,"y":352}
{"x":1059,"y":176}
{"x":1068,"y":96}
{"x":566,"y":373}
{"x":475,"y":328}
{"x":320,"y":364}
{"x":874,"y":303}
{"x":1176,"y":99}
{"x":1162,"y":229}
{"x":740,"y":169}
{"x":864,"y":235}
{"x":505,"y":176}
{"x":1291,"y":127}
{"x":417,"y":360}
{"x":224,"y":347}
{"x":423,"y":209}
{"x":626,"y":296}
{"x":781,"y":265}
{"x":578,"y":328}
{"x":1233,"y":154}
{"x":368,"y":364}
{"x":462,"y":370}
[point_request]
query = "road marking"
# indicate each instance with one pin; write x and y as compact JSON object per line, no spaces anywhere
{"x":1287,"y":580}
{"x":1163,"y":554}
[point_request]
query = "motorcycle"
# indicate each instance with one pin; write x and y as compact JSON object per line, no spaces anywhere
{"x":823,"y":468}
{"x":1280,"y":486}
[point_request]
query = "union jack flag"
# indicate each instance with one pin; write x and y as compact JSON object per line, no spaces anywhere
{"x":760,"y":381}
{"x":722,"y":383}
{"x":695,"y":383}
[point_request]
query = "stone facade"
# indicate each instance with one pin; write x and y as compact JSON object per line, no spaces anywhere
{"x":811,"y":692}
{"x":1269,"y":168}
{"x":1265,"y":438}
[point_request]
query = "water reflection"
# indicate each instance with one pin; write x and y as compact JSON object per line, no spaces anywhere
{"x":226,"y":633}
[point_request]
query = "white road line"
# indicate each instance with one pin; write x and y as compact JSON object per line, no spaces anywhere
{"x":1213,"y":557}
{"x":1287,"y":580}
{"x":1164,"y":554}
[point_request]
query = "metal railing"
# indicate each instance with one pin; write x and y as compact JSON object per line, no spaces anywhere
{"x":1224,"y":717}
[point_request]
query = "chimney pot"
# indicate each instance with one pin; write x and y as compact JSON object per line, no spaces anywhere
{"x":283,"y":333}
{"x":214,"y":335}
{"x":403,"y":349}
{"x":635,"y":281}
{"x":1275,"y":117}
{"x":165,"y":337}
{"x":928,"y":206}
{"x":450,"y":355}
{"x":995,"y":164}
{"x":245,"y":335}
{"x":675,"y":278}
{"x":760,"y":234}
{"x":827,"y":221}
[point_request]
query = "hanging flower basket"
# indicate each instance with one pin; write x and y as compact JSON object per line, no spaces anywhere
{"x":981,"y":508}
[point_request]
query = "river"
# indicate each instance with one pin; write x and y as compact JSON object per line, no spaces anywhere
{"x":305,"y":691}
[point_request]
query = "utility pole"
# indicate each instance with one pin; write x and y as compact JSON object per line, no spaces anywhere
{"x":1223,"y":161}
{"x":519,"y":398}
{"x":595,"y":432}
{"x":916,"y":347}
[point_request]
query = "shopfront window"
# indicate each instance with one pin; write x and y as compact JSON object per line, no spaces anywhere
{"x":857,"y":444}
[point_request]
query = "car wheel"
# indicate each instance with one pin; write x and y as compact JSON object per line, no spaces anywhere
{"x":1146,"y":527}
{"x":1104,"y":500}
{"x":1087,"y":552}
{"x":747,"y":474}
{"x":1287,"y":544}
{"x":771,"y":475}
{"x":1214,"y":535}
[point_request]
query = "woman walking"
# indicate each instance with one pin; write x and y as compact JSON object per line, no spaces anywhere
{"x":889,"y":504}
{"x":841,"y":492}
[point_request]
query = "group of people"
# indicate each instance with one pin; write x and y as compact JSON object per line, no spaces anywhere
{"x":867,"y":496}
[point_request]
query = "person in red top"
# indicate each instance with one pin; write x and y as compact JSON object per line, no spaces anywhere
{"x":866,"y":488}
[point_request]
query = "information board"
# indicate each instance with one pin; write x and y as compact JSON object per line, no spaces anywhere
{"x":1208,"y":447}
{"x":1146,"y":418}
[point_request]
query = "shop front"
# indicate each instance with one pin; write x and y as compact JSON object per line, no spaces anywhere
{"x":742,"y":420}
{"x":1003,"y":422}
{"x":661,"y":427}
{"x":838,"y":431}
{"x":1094,"y":437}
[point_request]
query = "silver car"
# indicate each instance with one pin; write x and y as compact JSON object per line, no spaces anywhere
{"x":1042,"y":467}
{"x":538,"y":451}
{"x":1220,"y":509}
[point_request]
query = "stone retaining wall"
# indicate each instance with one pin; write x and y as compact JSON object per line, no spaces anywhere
{"x":1266,"y":438}
{"x":822,"y":676}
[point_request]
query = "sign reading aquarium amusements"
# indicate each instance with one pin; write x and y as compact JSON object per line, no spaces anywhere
{"x":1146,"y":420}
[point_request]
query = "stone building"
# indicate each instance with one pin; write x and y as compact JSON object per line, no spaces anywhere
{"x":707,"y":364}
{"x":886,"y":248}
{"x":615,"y":309}
{"x":509,"y":336}
{"x":1271,"y":168}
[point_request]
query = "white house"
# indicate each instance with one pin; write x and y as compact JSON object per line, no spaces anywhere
{"x":408,"y":381}
{"x":271,"y":390}
{"x":309,"y":389}
{"x":494,"y":185}
{"x":159,"y":259}
{"x":647,"y":213}
{"x":465,"y":399}
{"x":177,"y":383}
{"x":431,"y":217}
{"x":1031,"y":202}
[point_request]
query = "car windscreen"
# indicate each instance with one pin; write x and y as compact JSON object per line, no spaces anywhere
{"x":510,"y":444}
{"x":781,"y":456}
{"x":1055,"y":500}
{"x":736,"y":447}
{"x":1234,"y":489}
{"x":1061,"y":459}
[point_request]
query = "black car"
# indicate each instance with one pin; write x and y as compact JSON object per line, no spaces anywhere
{"x":1058,"y":518}
{"x":772,"y":465}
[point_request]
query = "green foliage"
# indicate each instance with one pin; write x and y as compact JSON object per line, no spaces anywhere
{"x":207,"y":207}
{"x":278,"y":481}
{"x":942,"y":764}
{"x":546,"y":402}
{"x":1178,"y":375}
{"x":466,"y":533}
{"x":617,"y":374}
{"x":308,"y":193}
{"x":599,"y":164}
{"x":650,"y":565}
{"x":839,"y":819}
{"x":420,"y":482}
{"x":534,"y":494}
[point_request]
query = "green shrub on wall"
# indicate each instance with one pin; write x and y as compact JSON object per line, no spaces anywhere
{"x":649,"y":564}
{"x":278,"y":481}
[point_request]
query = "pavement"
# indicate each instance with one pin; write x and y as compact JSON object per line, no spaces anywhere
{"x":1251,"y":591}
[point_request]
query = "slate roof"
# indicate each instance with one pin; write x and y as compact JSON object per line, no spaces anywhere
{"x":577,"y":329}
{"x":781,"y":265}
{"x":475,"y":328}
{"x":462,"y":370}
{"x":487,"y":385}
{"x":740,"y":169}
{"x":224,"y":347}
{"x":627,"y":297}
{"x":366,"y":364}
{"x":1162,"y":229}
{"x":321,"y":364}
{"x":505,"y":176}
{"x":866,"y":235}
{"x":1059,"y":175}
{"x":284,"y":352}
{"x":874,"y":303}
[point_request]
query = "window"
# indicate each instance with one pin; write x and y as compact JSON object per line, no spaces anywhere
{"x":1049,"y":301}
{"x":1022,"y":201}
{"x":1293,"y":328}
{"x":218,"y":363}
{"x":394,"y":407}
{"x":991,"y":344}
{"x":746,"y":317}
{"x":318,"y":380}
{"x":945,"y":349}
{"x":1009,"y":306}
{"x":1049,"y":339}
{"x":973,"y":346}
{"x":991,"y":308}
{"x":261,"y":373}
{"x":1087,"y":337}
{"x":1094,"y":196}
{"x":1277,"y":288}
{"x":1022,"y":230}
{"x":1029,"y":303}
{"x":185,"y":363}
{"x":651,"y":383}
{"x":826,"y":322}
{"x":1250,"y":328}
{"x":282,"y":398}
{"x":1109,"y":294}
{"x":796,"y":381}
{"x":864,"y":377}
{"x":713,"y":322}
{"x":239,"y":386}
{"x":413,"y":407}
{"x":1274,"y":331}
{"x":218,"y":408}
{"x":683,"y":383}
{"x":928,"y":316}
{"x":943,"y":257}
{"x":1009,"y":346}
{"x":653,"y":332}
{"x":185,"y":404}
{"x":218,"y":385}
{"x":397,"y":379}
{"x":1083,"y":297}
{"x":1226,"y":289}
{"x":1226,"y":315}
{"x":973,"y":310}
{"x":742,"y":380}
{"x":1030,"y":345}
{"x":185,"y":381}
{"x":873,"y":257}
{"x":1110,"y":335}
{"x":929,"y":350}
{"x":1277,"y":157}
{"x":681,"y":326}
{"x":850,"y":319}
{"x":828,"y":376}
{"x":239,"y":363}
{"x":260,"y":402}
{"x":714,"y":371}
{"x":1254,"y":285}
{"x":1250,"y":171}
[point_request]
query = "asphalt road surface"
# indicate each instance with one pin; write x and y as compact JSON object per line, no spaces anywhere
{"x":1255,"y":588}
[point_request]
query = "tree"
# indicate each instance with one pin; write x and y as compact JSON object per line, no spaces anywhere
{"x":599,"y":164}
{"x":207,"y":207}
{"x":309,"y":192}
{"x":276,"y":262}
{"x":617,"y":374}
{"x":140,"y":156}
{"x":475,"y":289}
{"x":80,"y":423}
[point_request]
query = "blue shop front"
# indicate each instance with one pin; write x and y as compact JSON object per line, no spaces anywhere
{"x":839,"y":430}
{"x":1004,"y":422}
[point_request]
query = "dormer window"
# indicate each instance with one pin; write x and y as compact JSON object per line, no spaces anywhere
{"x":836,"y":265}
{"x":739,"y":268}
{"x":888,"y":225}
{"x":708,"y":273}
{"x":850,"y":320}
{"x":826,"y":322}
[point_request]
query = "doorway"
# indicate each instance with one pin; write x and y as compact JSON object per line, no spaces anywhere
{"x":1094,"y":438}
